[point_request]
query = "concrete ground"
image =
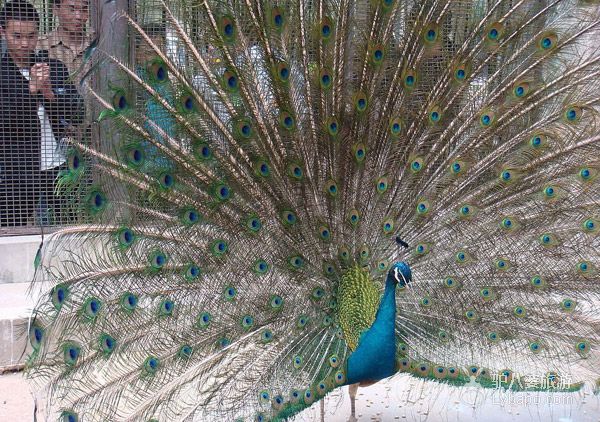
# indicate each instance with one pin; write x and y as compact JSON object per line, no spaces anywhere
{"x":401,"y":398}
{"x":16,"y":401}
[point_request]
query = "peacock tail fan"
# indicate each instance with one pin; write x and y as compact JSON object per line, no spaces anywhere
{"x":260,"y":174}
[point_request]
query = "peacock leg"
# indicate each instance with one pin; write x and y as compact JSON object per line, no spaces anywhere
{"x":352,"y":389}
{"x":322,"y":410}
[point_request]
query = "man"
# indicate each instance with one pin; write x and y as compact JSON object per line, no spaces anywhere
{"x":68,"y":41}
{"x":37,"y":106}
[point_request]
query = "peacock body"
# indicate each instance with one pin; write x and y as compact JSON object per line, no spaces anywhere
{"x":333,"y":192}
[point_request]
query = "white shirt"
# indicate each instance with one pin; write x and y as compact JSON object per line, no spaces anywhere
{"x":52,"y":154}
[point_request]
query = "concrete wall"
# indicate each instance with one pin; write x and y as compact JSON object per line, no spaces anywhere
{"x":17,"y":254}
{"x":16,"y":258}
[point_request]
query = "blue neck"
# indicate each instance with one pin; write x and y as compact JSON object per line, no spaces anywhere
{"x":387,"y":308}
{"x":375,"y":356}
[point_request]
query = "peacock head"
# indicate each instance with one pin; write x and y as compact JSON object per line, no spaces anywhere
{"x":399,"y":274}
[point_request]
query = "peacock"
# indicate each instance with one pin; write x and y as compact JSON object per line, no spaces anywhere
{"x":292,"y":196}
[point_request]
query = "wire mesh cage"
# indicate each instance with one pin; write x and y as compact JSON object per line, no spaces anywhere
{"x":46,"y":103}
{"x":42,"y":106}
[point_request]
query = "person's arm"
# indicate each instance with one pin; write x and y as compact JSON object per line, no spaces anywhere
{"x":67,"y":106}
{"x":16,"y":104}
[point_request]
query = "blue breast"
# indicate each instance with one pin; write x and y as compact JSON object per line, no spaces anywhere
{"x":375,"y":356}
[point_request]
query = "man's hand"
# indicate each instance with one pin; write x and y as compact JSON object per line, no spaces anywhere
{"x":39,"y":80}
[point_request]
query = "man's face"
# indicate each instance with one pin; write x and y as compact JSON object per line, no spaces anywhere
{"x":21,"y":38}
{"x":72,"y":15}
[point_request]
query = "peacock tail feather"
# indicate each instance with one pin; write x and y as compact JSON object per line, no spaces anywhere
{"x":250,"y":200}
